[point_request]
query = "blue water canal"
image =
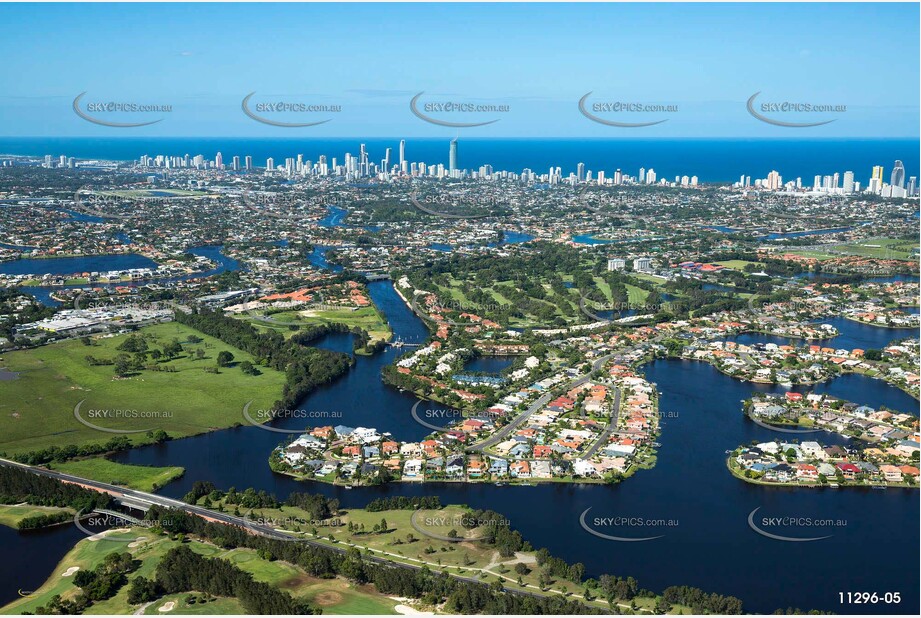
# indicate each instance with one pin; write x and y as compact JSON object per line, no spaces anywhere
{"x":708,"y":543}
{"x":105,"y":263}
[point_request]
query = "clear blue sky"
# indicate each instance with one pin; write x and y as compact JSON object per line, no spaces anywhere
{"x":537,"y":58}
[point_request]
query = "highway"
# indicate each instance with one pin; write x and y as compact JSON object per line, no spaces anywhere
{"x":139,"y":498}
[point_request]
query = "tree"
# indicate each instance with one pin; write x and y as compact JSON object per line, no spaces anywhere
{"x":224,"y":358}
{"x":122,"y":365}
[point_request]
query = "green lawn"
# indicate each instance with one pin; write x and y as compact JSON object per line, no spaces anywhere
{"x":12,"y":514}
{"x":635,"y":295}
{"x":335,"y":596}
{"x":738,"y":264}
{"x":37,"y":408}
{"x":891,"y":248}
{"x":366,"y":318}
{"x":142,"y":478}
{"x":405,"y":543}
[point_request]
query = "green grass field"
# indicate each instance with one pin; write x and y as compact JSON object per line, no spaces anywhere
{"x":37,"y":408}
{"x":142,"y":478}
{"x":738,"y":264}
{"x":885,"y":248}
{"x":335,"y":596}
{"x":12,"y":514}
{"x":410,"y":544}
{"x":366,"y":318}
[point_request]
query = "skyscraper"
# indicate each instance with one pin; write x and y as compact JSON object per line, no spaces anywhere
{"x":848,"y":182}
{"x":402,"y":152}
{"x":897,"y":179}
{"x":774,"y":180}
{"x":219,"y":161}
{"x":878,"y":174}
{"x":452,"y":156}
{"x":580,"y":172}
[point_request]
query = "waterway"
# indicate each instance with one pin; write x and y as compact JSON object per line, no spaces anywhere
{"x":105,"y":263}
{"x":712,"y":545}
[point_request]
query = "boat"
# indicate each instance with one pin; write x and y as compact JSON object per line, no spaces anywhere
{"x":879,"y":487}
{"x":500,"y":484}
{"x":833,"y":485}
{"x":656,"y":445}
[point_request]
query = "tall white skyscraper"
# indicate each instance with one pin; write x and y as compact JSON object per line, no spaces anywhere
{"x":452,"y":156}
{"x":848,"y":181}
{"x":402,"y":153}
{"x":897,"y":179}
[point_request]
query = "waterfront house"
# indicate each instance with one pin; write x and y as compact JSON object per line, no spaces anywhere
{"x":540,"y":470}
{"x":520,"y":469}
{"x":584,"y":468}
{"x":413,"y":468}
{"x":848,"y":470}
{"x":891,"y":473}
{"x":476,"y":468}
{"x":454,"y":468}
{"x":498,"y":467}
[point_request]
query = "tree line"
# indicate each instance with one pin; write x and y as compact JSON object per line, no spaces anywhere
{"x":306,"y":368}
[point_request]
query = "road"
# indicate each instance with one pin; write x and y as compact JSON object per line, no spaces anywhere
{"x":543,"y":400}
{"x":611,"y":426}
{"x":140,"y":498}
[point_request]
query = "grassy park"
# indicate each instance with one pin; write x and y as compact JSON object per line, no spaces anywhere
{"x":142,"y":478}
{"x":334,"y":596}
{"x":366,"y":318}
{"x":12,"y":514}
{"x":184,"y":395}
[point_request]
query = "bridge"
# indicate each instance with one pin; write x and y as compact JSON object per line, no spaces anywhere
{"x":128,"y":518}
{"x":135,"y":499}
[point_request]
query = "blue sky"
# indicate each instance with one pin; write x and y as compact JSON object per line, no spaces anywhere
{"x":538,"y":59}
